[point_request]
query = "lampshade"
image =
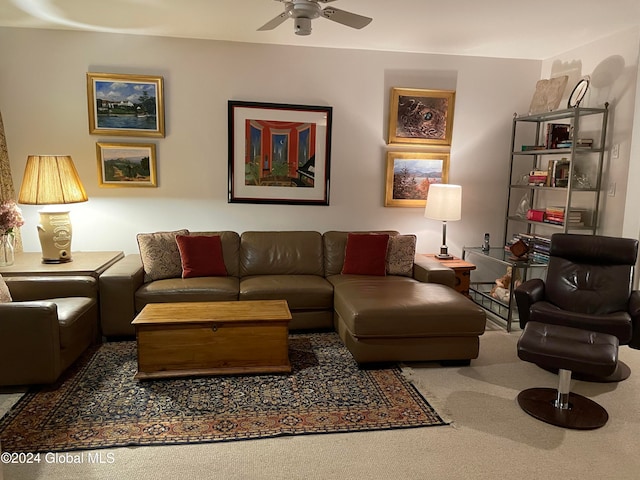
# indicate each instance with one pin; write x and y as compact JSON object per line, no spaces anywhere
{"x":51,"y":179}
{"x":444,"y":202}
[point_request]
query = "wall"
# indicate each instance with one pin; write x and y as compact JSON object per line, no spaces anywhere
{"x":44,"y":106}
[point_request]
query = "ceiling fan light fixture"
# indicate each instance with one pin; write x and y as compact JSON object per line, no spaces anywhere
{"x":302,"y":26}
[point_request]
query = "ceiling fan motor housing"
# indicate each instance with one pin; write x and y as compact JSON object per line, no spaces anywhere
{"x":302,"y":11}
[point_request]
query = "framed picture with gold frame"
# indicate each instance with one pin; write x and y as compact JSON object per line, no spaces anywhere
{"x":421,"y":117}
{"x":128,"y":105}
{"x":126,"y":164}
{"x":409,"y":175}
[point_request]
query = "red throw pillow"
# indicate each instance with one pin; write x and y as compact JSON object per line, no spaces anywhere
{"x":201,"y":256}
{"x":366,"y":254}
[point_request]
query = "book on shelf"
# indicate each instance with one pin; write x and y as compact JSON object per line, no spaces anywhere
{"x":557,"y":133}
{"x":558,"y":173}
{"x":538,"y":245}
{"x":526,"y":148}
{"x":538,"y":177}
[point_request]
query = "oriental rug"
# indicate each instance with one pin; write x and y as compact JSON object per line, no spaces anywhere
{"x":98,"y":403}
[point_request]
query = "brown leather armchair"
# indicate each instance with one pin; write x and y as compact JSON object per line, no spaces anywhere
{"x":48,"y":325}
{"x":588,"y":286}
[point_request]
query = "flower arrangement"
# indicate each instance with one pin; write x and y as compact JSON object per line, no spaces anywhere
{"x":10,"y":217}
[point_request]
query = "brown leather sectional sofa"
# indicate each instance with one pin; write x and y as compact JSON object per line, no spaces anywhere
{"x":379,"y":318}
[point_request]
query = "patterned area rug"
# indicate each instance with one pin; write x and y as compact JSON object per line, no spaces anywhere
{"x":98,"y":404}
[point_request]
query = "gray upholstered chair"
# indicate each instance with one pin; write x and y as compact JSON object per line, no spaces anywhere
{"x":48,"y":324}
{"x":588,"y":286}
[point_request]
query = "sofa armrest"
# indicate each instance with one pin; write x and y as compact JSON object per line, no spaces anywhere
{"x":427,"y":270}
{"x":118,"y":286}
{"x":32,"y":288}
{"x":29,"y":343}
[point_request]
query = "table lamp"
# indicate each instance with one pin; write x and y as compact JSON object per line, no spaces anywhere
{"x":52,"y":180}
{"x":444,"y":202}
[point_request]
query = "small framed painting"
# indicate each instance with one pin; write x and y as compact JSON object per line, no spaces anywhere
{"x":128,"y":105}
{"x":409,"y":175}
{"x":279,"y":153}
{"x":126,"y":164}
{"x":421,"y":117}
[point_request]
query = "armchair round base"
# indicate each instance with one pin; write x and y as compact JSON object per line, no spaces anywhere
{"x":582,"y":414}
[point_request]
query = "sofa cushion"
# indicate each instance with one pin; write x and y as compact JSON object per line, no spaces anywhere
{"x":365,"y":254}
{"x":281,"y":253}
{"x":160,"y":255}
{"x":197,"y":289}
{"x":401,"y":255}
{"x":5,"y":295}
{"x":302,"y":292}
{"x":201,"y":256}
{"x":230,"y":249}
{"x":396,"y":306}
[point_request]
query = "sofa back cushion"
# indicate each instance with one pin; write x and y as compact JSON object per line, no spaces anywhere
{"x":230,"y":250}
{"x":335,"y":244}
{"x":281,"y":253}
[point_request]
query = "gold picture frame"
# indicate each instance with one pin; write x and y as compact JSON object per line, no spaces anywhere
{"x":126,"y":164}
{"x":421,"y":117}
{"x":409,"y":175}
{"x":127,"y":105}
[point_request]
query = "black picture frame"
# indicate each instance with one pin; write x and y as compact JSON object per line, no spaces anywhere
{"x":279,"y":153}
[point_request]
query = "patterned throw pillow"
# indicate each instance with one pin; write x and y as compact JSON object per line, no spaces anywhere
{"x":160,"y":255}
{"x":365,"y":254}
{"x":5,"y":295}
{"x":401,"y":254}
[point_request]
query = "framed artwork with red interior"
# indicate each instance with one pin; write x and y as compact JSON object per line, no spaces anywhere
{"x":279,"y":153}
{"x":409,"y":175}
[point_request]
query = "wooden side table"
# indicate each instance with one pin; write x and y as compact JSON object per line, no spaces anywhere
{"x":462,"y":270}
{"x":84,"y":263}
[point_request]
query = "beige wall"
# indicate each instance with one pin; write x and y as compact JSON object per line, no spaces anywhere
{"x":44,"y":106}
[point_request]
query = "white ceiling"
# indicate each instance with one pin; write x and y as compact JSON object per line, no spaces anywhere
{"x":495,"y":28}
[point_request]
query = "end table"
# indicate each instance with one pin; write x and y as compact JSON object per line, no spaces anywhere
{"x":462,"y":270}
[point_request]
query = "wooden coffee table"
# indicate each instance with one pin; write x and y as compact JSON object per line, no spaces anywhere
{"x":212,"y":338}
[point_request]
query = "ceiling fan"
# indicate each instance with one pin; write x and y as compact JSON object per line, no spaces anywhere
{"x":303,"y":11}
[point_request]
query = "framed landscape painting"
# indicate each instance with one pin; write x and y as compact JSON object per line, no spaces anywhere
{"x":421,"y":117}
{"x":409,"y":175}
{"x":129,"y":105}
{"x":126,"y":164}
{"x":279,"y":153}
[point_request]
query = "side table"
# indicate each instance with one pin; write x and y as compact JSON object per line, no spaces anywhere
{"x":462,"y":270}
{"x":91,"y":264}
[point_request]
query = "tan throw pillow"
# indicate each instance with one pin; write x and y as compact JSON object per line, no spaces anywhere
{"x":401,"y":255}
{"x":160,"y":255}
{"x":5,"y":295}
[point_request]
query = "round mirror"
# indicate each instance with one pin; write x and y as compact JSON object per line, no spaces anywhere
{"x":578,"y":93}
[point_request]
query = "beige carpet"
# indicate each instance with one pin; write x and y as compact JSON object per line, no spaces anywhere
{"x":490,"y":437}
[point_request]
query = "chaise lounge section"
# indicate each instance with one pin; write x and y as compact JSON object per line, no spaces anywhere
{"x":411,"y":314}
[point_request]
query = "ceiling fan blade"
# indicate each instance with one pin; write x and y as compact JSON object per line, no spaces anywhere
{"x":346,"y":18}
{"x":271,"y":24}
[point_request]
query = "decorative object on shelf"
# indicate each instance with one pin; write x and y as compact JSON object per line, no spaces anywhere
{"x":502,"y":288}
{"x":444,"y":202}
{"x":519,"y":249}
{"x":523,"y":207}
{"x":421,"y":116}
{"x":52,"y":180}
{"x":578,"y":92}
{"x":10,"y":219}
{"x":121,"y":104}
{"x":126,"y":164}
{"x":279,"y":153}
{"x":411,"y":174}
{"x":485,"y":244}
{"x":548,"y":94}
{"x":7,"y":255}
